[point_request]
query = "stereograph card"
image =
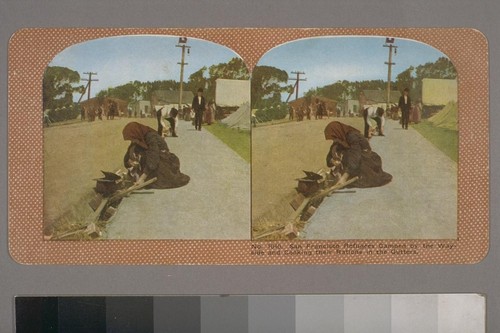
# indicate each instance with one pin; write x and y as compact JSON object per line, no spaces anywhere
{"x":248,"y":146}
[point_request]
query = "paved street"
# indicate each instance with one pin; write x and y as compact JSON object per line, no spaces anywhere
{"x":214,"y":205}
{"x":419,"y":203}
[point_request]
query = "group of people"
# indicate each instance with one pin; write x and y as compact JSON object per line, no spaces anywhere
{"x":351,"y":155}
{"x":108,"y":110}
{"x":200,"y":113}
{"x":317,"y":109}
{"x":409,"y":113}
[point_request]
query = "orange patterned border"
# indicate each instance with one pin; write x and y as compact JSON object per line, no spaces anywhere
{"x":31,"y":50}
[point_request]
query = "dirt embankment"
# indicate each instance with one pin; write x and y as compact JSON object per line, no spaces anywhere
{"x":74,"y":154}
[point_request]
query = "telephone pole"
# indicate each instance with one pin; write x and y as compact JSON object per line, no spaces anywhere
{"x":296,"y":85}
{"x":89,"y":83}
{"x":389,"y":42}
{"x":182,"y":44}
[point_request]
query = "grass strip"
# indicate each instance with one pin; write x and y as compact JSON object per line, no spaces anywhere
{"x":237,"y":140}
{"x":444,"y":139}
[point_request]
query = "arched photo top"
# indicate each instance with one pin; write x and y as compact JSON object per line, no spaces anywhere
{"x":323,"y":61}
{"x":119,"y":60}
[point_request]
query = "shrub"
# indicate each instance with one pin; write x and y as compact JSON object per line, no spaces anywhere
{"x":66,"y":113}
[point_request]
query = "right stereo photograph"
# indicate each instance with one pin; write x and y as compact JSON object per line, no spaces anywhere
{"x":354,"y":137}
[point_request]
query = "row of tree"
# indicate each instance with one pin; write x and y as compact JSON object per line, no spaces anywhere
{"x":61,"y":83}
{"x":409,"y":78}
{"x":267,"y":86}
{"x":204,"y":78}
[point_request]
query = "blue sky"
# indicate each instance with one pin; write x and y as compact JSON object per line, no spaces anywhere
{"x":326,"y":60}
{"x":119,"y":60}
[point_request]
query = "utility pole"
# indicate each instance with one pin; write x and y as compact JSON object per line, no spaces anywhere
{"x":182,"y":44}
{"x":296,"y":85}
{"x":89,"y":83}
{"x":389,"y":42}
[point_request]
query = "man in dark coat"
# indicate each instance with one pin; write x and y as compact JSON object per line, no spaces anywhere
{"x":405,"y":105}
{"x":198,"y":106}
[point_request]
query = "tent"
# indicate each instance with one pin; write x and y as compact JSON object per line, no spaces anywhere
{"x":447,"y":117}
{"x":240,"y":118}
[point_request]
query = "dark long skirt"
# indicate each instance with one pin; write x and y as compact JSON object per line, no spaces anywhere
{"x":370,"y":171}
{"x":168,"y":172}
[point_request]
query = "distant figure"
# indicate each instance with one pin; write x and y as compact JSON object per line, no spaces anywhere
{"x":198,"y":106}
{"x":46,"y":118}
{"x":210,"y":113}
{"x":350,"y":155}
{"x":291,"y":112}
{"x":308,"y":111}
{"x":91,"y":114}
{"x":405,"y":105}
{"x":111,"y":110}
{"x":148,"y":156}
{"x":99,"y":112}
{"x":416,"y":112}
{"x":319,"y":109}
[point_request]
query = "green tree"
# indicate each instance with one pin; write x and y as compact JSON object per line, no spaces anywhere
{"x":412,"y":77}
{"x":337,"y":91}
{"x":405,"y":79}
{"x":59,"y":84}
{"x":198,"y":79}
{"x":267,"y":84}
{"x":234,"y":69}
{"x":127,"y":92}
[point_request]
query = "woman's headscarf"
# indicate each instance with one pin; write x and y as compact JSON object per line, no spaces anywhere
{"x":337,"y":132}
{"x":136,"y":133}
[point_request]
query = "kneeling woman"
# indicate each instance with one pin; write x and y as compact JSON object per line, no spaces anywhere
{"x":351,"y":155}
{"x":148,"y":156}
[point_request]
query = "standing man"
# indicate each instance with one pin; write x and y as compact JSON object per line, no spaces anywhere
{"x":198,"y":106}
{"x":405,"y":105}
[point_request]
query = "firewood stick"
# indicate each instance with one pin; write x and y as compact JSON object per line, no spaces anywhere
{"x":106,"y":202}
{"x":269,"y":233}
{"x":333,"y":188}
{"x":131,"y":189}
{"x":323,"y":193}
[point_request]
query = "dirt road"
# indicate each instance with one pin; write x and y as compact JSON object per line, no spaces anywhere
{"x":420,"y":202}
